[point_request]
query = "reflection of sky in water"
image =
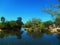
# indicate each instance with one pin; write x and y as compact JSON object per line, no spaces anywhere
{"x":29,"y":40}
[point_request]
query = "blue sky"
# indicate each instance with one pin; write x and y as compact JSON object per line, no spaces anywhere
{"x":27,"y":9}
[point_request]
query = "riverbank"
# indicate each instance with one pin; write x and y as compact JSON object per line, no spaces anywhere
{"x":36,"y":29}
{"x":52,"y":30}
{"x":55,"y":30}
{"x":0,"y":30}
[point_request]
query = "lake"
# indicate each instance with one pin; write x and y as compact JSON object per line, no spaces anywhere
{"x":28,"y":38}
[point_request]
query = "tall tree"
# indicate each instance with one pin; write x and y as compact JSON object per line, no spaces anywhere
{"x":19,"y":19}
{"x":19,"y":22}
{"x":53,"y":10}
{"x":2,"y":19}
{"x":57,"y":21}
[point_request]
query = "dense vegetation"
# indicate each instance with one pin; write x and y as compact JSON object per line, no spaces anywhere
{"x":8,"y":25}
{"x":34,"y":24}
{"x":37,"y":25}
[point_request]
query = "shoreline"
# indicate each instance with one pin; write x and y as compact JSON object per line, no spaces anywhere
{"x":0,"y":30}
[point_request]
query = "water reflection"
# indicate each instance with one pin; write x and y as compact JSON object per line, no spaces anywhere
{"x":35,"y":34}
{"x":18,"y":37}
{"x":18,"y":34}
{"x":6,"y":33}
{"x":58,"y":36}
{"x":42,"y":34}
{"x":38,"y":34}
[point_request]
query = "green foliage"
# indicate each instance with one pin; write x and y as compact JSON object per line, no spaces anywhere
{"x":57,"y":21}
{"x":36,"y":21}
{"x":41,"y":26}
{"x":1,"y":25}
{"x":53,"y":10}
{"x":28,"y":24}
{"x":19,"y":22}
{"x":34,"y":24}
{"x":11,"y":24}
{"x":47,"y":23}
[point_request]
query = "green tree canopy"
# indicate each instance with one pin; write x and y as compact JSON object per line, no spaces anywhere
{"x":53,"y":10}
{"x":57,"y":21}
{"x":3,"y":19}
{"x":32,"y":22}
{"x":47,"y":23}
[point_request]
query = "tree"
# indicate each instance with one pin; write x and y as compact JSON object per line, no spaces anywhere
{"x":7,"y":25}
{"x":36,"y":21}
{"x":32,"y":23}
{"x":47,"y":23}
{"x":19,"y":22}
{"x":53,"y":10}
{"x":57,"y":21}
{"x":19,"y":19}
{"x":28,"y":24}
{"x":2,"y":19}
{"x":12,"y":23}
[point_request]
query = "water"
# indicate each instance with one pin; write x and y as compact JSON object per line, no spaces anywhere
{"x":28,"y":38}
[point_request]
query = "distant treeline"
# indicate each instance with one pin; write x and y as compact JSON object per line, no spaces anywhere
{"x":35,"y":24}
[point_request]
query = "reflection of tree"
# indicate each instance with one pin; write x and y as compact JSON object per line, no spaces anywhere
{"x":48,"y":32}
{"x":18,"y":34}
{"x":35,"y":34}
{"x":1,"y":34}
{"x":6,"y":33}
{"x":58,"y":36}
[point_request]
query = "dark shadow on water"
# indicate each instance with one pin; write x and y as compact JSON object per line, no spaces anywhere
{"x":6,"y":33}
{"x":58,"y":36}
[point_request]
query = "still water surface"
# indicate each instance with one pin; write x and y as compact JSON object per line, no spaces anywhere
{"x":28,"y":38}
